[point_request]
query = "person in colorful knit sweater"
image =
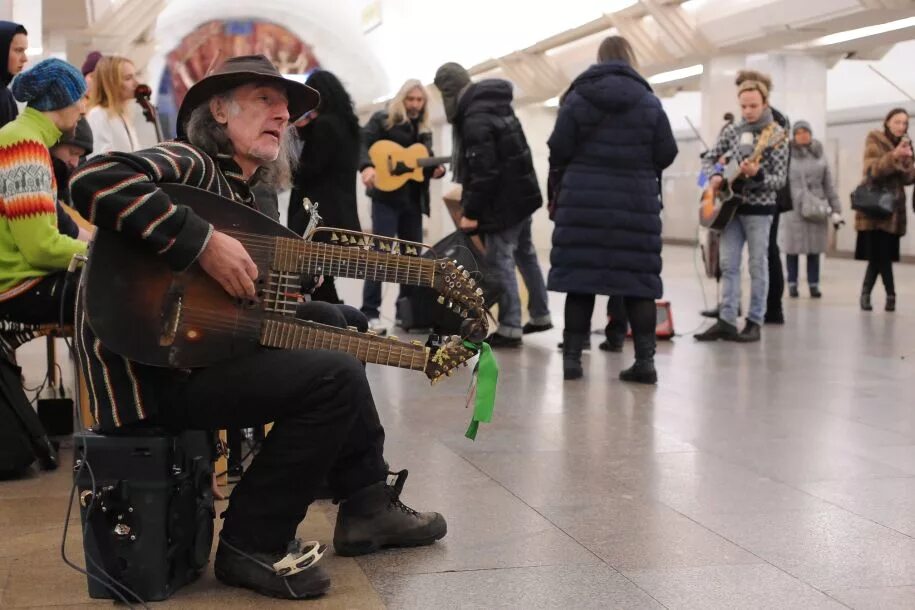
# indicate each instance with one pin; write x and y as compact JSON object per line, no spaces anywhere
{"x":34,"y":254}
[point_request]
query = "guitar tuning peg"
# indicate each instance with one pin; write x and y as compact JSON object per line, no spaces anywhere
{"x":395,"y":248}
{"x":411,"y":250}
{"x":450,"y":372}
{"x":369,"y":242}
{"x":416,"y":343}
{"x":352,"y":328}
{"x":344,"y":239}
{"x":440,"y":300}
{"x":334,"y":237}
{"x":450,"y":304}
{"x":460,"y":267}
{"x":479,"y":292}
{"x":371,"y":333}
{"x":466,"y":274}
{"x":393,"y":338}
{"x":384,"y":247}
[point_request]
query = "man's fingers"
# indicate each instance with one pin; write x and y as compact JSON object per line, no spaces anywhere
{"x":251,"y":269}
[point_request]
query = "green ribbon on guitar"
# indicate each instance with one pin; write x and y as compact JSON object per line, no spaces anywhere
{"x":487,"y":372}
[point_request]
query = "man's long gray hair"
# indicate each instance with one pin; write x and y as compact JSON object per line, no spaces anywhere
{"x":205,"y":133}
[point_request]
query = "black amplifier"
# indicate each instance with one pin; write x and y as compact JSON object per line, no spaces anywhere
{"x":151,"y":521}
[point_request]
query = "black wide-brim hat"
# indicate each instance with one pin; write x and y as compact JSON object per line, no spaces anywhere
{"x":244,"y":70}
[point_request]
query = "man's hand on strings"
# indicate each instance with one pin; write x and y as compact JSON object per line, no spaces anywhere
{"x":227,"y":262}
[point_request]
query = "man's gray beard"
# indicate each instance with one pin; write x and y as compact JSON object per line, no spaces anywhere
{"x":255,"y":155}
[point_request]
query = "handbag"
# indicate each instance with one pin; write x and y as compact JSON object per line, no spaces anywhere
{"x":813,"y":209}
{"x":872,"y":200}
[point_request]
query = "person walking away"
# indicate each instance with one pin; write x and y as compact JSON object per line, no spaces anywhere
{"x":613,"y":140}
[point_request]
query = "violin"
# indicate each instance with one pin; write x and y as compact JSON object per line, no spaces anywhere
{"x":142,"y":94}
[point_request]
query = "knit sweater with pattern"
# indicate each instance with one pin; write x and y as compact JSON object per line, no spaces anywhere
{"x":31,"y":245}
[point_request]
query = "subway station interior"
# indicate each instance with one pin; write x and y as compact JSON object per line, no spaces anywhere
{"x":652,"y":256}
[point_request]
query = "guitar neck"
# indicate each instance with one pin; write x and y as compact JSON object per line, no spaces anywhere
{"x":301,"y":334}
{"x":298,"y":256}
{"x":433,"y":161}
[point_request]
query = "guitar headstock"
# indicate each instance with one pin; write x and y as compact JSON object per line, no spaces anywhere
{"x":458,"y":290}
{"x":446,"y":356}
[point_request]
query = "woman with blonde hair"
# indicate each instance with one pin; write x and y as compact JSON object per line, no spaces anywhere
{"x":111,"y":102}
{"x":397,"y":213}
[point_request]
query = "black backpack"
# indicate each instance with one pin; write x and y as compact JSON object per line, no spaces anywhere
{"x":22,"y":437}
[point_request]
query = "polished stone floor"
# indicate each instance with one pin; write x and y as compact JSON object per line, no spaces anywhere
{"x":771,"y":475}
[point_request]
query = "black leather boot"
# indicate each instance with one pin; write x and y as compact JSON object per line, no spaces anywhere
{"x":750,"y":333}
{"x":273,"y":574}
{"x":890,"y":302}
{"x":374,"y":518}
{"x":616,"y":335}
{"x":721,"y":330}
{"x":572,"y":344}
{"x":866,"y":302}
{"x":643,"y":370}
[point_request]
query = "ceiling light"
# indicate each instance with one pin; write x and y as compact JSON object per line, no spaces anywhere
{"x":871,"y":30}
{"x":666,"y":77}
{"x":553,"y":102}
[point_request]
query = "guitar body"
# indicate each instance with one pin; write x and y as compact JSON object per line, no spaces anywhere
{"x":396,"y":165}
{"x":717,"y":209}
{"x":129,"y":304}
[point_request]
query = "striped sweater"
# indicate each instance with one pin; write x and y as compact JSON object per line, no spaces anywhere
{"x":31,"y":245}
{"x":119,"y":191}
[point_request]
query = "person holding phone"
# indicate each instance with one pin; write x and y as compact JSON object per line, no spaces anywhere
{"x":887,"y":163}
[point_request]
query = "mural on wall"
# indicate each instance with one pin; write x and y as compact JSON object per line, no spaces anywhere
{"x":210,"y":44}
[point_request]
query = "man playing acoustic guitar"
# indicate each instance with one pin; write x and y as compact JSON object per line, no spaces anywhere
{"x":762,"y":180}
{"x":234,"y":128}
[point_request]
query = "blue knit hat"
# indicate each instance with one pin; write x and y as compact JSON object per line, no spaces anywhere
{"x":51,"y":84}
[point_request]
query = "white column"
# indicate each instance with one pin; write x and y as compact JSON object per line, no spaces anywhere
{"x":28,"y":13}
{"x":798,"y":87}
{"x":719,"y":95}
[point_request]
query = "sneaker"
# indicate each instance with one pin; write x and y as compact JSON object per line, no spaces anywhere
{"x":750,"y":333}
{"x":530,"y":327}
{"x":375,"y":518}
{"x":721,"y":330}
{"x":291,"y":574}
{"x":497,"y":340}
{"x":378,"y":327}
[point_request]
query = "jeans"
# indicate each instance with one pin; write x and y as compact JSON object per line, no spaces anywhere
{"x":404,"y":222}
{"x":504,"y":250}
{"x":326,"y":428}
{"x":753,"y":231}
{"x":813,"y":268}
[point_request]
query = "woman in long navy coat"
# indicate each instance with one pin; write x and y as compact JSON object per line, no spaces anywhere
{"x":611,"y":141}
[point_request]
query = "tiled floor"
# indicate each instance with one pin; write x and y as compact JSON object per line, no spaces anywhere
{"x":776,"y":475}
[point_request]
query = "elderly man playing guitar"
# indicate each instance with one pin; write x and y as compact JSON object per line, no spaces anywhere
{"x":232,"y":133}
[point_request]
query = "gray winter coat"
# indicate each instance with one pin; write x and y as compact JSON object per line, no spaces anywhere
{"x":808,"y":169}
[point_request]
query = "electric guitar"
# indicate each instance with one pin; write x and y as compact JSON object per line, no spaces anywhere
{"x":145,"y":312}
{"x":396,"y":165}
{"x":719,"y":205}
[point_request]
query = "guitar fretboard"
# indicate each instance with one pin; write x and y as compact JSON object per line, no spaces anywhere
{"x":298,"y":256}
{"x":300,"y":334}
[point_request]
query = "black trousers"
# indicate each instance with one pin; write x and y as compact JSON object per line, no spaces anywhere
{"x":639,"y":313}
{"x":776,"y":273}
{"x":325,"y":428}
{"x":41,"y":304}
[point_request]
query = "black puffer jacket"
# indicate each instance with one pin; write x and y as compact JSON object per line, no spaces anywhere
{"x":500,"y":185}
{"x":8,"y":108}
{"x":406,"y":135}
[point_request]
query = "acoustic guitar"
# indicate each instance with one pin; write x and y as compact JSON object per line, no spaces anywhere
{"x":718,"y":206}
{"x":396,"y":165}
{"x":145,"y":312}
